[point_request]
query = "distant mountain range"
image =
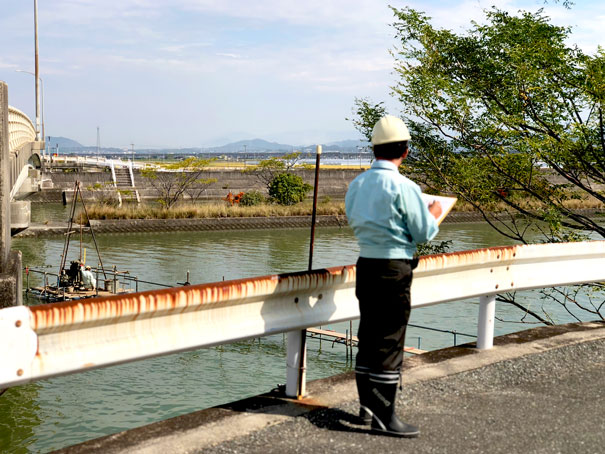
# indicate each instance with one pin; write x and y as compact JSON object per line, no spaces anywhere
{"x":67,"y":145}
{"x":62,"y":142}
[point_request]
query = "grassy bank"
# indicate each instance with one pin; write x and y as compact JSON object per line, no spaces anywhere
{"x":217,"y":210}
{"x":223,"y":210}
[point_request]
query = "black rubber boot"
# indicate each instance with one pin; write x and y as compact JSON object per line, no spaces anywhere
{"x":383,"y":391}
{"x":362,"y":378}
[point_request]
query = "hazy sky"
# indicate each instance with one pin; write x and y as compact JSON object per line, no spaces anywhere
{"x":190,"y":73}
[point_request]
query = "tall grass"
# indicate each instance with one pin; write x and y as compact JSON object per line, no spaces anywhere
{"x":223,"y":210}
{"x":589,"y":203}
{"x":217,"y":210}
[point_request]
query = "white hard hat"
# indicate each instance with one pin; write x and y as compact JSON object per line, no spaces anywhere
{"x":389,"y":129}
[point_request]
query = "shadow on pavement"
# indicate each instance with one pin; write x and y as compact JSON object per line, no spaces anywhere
{"x":336,"y":420}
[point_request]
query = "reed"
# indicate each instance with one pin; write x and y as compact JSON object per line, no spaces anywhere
{"x":223,"y":210}
{"x":590,"y":203}
{"x":215,"y":210}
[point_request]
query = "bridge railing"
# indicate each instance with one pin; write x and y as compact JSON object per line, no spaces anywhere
{"x":20,"y":129}
{"x":98,"y":161}
{"x":20,"y":133}
{"x":54,"y":339}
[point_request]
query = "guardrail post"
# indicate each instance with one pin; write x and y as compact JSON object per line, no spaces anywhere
{"x":485,"y":326}
{"x":294,"y":379}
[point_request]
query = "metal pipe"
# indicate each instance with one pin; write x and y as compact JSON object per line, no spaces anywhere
{"x":485,"y":326}
{"x":441,"y":330}
{"x":295,"y":362}
{"x":128,"y":278}
{"x":37,"y":71}
{"x":92,"y":232}
{"x":302,"y":345}
{"x":115,"y":280}
{"x":314,"y":214}
{"x":69,"y":225}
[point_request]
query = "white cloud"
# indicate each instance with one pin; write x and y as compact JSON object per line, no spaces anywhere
{"x":334,"y":13}
{"x":222,"y":54}
{"x":204,"y":58}
{"x":5,"y":65}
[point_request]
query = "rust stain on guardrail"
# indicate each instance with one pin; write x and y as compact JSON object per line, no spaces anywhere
{"x":474,"y":257}
{"x":128,"y":307}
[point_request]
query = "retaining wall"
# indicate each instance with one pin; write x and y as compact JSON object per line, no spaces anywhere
{"x":332,"y":183}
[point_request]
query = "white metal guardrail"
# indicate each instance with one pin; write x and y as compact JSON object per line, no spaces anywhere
{"x":54,"y":339}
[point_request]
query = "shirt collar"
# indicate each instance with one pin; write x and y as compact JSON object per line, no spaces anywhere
{"x":383,"y":164}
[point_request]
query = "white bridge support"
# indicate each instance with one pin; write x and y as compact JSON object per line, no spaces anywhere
{"x":62,"y":338}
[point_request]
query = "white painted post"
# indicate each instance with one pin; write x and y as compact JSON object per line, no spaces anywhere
{"x":485,"y":326}
{"x":293,"y":374}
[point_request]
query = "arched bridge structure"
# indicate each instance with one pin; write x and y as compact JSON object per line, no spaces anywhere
{"x":24,"y":165}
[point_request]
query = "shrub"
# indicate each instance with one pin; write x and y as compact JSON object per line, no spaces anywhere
{"x":252,"y":198}
{"x":288,"y":189}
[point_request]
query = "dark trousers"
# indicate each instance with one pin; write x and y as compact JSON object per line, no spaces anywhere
{"x":383,"y":291}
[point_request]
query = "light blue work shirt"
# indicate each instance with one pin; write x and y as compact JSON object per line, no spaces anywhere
{"x":387,"y":214}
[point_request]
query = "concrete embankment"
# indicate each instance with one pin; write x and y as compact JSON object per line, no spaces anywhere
{"x":538,"y":391}
{"x":98,"y":185}
{"x":172,"y":225}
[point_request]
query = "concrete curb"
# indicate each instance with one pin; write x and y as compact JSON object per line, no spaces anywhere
{"x":207,"y":428}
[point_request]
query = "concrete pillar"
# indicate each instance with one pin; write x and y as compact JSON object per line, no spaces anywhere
{"x":10,"y":261}
{"x":5,"y":225}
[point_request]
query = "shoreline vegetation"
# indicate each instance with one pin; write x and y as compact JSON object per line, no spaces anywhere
{"x":224,"y":210}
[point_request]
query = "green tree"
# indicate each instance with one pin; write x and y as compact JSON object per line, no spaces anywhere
{"x":506,"y":114}
{"x":267,"y":169}
{"x":288,"y":189}
{"x":365,"y":115}
{"x":171,"y":181}
{"x":508,"y":117}
{"x":252,"y":198}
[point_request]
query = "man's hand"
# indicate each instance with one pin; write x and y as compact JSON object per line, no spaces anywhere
{"x":435,"y":209}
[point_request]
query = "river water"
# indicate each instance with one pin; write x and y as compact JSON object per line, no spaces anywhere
{"x":63,"y":411}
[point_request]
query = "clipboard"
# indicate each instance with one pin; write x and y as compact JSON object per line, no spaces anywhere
{"x":447,"y":203}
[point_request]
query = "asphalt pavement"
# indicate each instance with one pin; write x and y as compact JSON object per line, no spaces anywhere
{"x":537,"y":391}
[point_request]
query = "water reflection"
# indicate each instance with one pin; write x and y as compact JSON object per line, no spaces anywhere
{"x":20,"y":415}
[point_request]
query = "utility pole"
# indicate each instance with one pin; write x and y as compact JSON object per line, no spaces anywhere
{"x":37,"y":75}
{"x":98,"y":141}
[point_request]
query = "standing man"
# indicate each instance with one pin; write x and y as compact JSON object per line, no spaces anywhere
{"x":88,"y":279}
{"x":389,"y":218}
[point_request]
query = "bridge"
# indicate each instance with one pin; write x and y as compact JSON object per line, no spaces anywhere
{"x":24,"y":165}
{"x":20,"y":166}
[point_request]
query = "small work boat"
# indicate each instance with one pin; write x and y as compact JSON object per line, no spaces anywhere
{"x":71,"y":284}
{"x":78,"y":280}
